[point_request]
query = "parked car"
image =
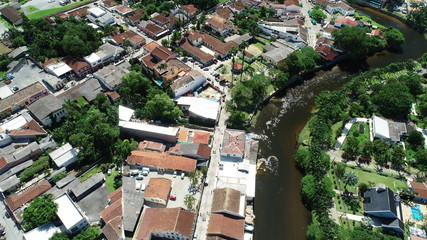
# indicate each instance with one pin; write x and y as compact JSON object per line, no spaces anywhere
{"x":249,"y":228}
{"x":171,"y":197}
{"x":205,"y":69}
{"x":139,"y":177}
{"x":182,"y":175}
{"x":174,"y":174}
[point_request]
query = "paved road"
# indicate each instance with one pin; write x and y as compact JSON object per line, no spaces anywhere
{"x":211,"y":179}
{"x":12,"y":232}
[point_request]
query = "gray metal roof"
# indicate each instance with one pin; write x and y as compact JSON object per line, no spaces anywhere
{"x":88,"y":90}
{"x":8,"y":183}
{"x":379,"y":199}
{"x":112,"y":75}
{"x":18,"y":168}
{"x":396,"y":129}
{"x":18,"y":51}
{"x":45,"y":106}
{"x":83,"y":187}
{"x":132,"y":204}
{"x":251,"y":150}
{"x":63,"y":182}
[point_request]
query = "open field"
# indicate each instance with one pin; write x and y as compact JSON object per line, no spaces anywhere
{"x":44,"y":13}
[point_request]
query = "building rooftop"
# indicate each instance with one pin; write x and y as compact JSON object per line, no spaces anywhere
{"x":31,"y":128}
{"x":16,"y":200}
{"x":112,"y":75}
{"x":226,"y":200}
{"x":379,"y":199}
{"x":162,"y":222}
{"x":75,"y":64}
{"x":87,"y":184}
{"x":201,"y":137}
{"x":133,"y":202}
{"x":44,"y":106}
{"x":205,"y":57}
{"x":219,"y":22}
{"x":112,"y":211}
{"x":158,"y":188}
{"x":152,"y":146}
{"x":169,"y":131}
{"x":162,"y":160}
{"x":59,"y":68}
{"x":234,"y":142}
{"x":420,"y":189}
{"x":21,"y":95}
{"x":67,"y":211}
{"x":226,"y":226}
{"x":96,"y":12}
{"x":11,"y":14}
{"x":63,"y":154}
{"x":44,"y":232}
{"x":88,"y":90}
{"x":113,"y":229}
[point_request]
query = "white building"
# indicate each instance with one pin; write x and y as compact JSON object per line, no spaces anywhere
{"x":69,"y":214}
{"x":387,"y":130}
{"x":64,"y":155}
{"x":125,"y":113}
{"x":340,"y":7}
{"x":59,"y":69}
{"x":93,"y":60}
{"x":281,"y":30}
{"x":190,"y":82}
{"x":100,"y":17}
{"x":202,"y":109}
{"x":150,"y":131}
{"x":43,"y":232}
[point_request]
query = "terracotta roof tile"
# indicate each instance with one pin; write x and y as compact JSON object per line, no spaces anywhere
{"x":225,"y":13}
{"x":158,"y":188}
{"x":116,"y":195}
{"x":219,"y":22}
{"x":163,"y":53}
{"x":151,"y":46}
{"x":234,"y":142}
{"x":226,"y":199}
{"x":162,"y":160}
{"x":110,"y":3}
{"x":16,"y":200}
{"x":201,"y":137}
{"x":159,"y":220}
{"x":152,"y":146}
{"x":124,"y":9}
{"x":183,"y":136}
{"x":30,"y":128}
{"x":113,"y":229}
{"x":420,"y":188}
{"x":225,"y":226}
{"x":205,"y":57}
{"x":190,"y":9}
{"x":112,"y":211}
{"x":75,"y":64}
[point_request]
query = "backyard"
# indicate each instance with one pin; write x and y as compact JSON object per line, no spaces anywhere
{"x":354,"y":132}
{"x":109,"y":181}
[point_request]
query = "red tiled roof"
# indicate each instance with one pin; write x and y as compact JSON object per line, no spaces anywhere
{"x":129,"y":35}
{"x":147,"y":60}
{"x":183,"y":135}
{"x":214,"y":43}
{"x":234,"y":142}
{"x":224,"y":226}
{"x":113,"y":95}
{"x":204,"y":151}
{"x":420,"y":188}
{"x":238,"y":5}
{"x":323,"y":49}
{"x":190,"y":9}
{"x":291,"y":2}
{"x":124,"y":9}
{"x":162,"y":160}
{"x":75,"y":64}
{"x":136,"y":15}
{"x":16,"y":200}
{"x":113,"y":229}
{"x":156,"y":220}
{"x":3,"y":162}
{"x":346,"y":21}
{"x":112,"y":211}
{"x":30,"y":128}
{"x":201,"y":137}
{"x":225,"y":13}
{"x":151,"y":46}
{"x":163,"y":53}
{"x":237,"y":66}
{"x":205,"y":57}
{"x":158,"y":188}
{"x":154,"y":28}
{"x":81,"y":12}
{"x":153,"y":146}
{"x":110,"y":3}
{"x":219,"y":22}
{"x":116,"y":195}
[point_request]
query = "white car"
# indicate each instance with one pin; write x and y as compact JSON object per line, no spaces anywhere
{"x":182,"y":175}
{"x":174,"y":174}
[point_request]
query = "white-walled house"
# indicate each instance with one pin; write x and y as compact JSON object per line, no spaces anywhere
{"x":100,"y":17}
{"x":48,"y":109}
{"x":233,"y":145}
{"x":64,"y":155}
{"x":72,"y":219}
{"x":191,"y":81}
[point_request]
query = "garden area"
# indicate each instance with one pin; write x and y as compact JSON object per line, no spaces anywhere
{"x":359,"y":130}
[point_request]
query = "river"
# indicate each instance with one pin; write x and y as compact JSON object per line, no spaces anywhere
{"x":279,"y":211}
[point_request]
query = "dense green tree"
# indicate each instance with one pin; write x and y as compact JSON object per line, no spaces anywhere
{"x":418,"y":17}
{"x":237,"y":119}
{"x":393,"y":100}
{"x":318,"y":14}
{"x":367,"y":149}
{"x":246,"y":94}
{"x":340,"y":169}
{"x":91,"y":233}
{"x":398,"y":158}
{"x":40,"y":211}
{"x":381,"y":151}
{"x":316,"y":193}
{"x":136,"y":89}
{"x":59,"y":236}
{"x":301,"y":60}
{"x":416,"y":140}
{"x":421,"y":159}
{"x":161,"y":107}
{"x":394,"y":37}
{"x":413,"y":82}
{"x":422,"y":109}
{"x":4,"y":61}
{"x":351,"y":146}
{"x":122,"y":148}
{"x":354,"y":40}
{"x":278,"y":77}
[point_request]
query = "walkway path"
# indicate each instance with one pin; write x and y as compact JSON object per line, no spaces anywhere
{"x":346,"y":130}
{"x":211,"y":179}
{"x":351,"y":216}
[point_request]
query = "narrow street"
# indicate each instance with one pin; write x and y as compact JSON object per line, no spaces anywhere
{"x":12,"y":231}
{"x":211,"y":179}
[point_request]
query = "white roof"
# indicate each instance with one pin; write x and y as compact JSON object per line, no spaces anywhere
{"x":125,"y":113}
{"x":200,"y":106}
{"x":63,"y":155}
{"x":171,"y":131}
{"x":96,"y":12}
{"x":93,"y":25}
{"x":43,"y":232}
{"x":67,"y":211}
{"x":14,"y":123}
{"x":230,"y":176}
{"x":59,"y":68}
{"x":381,"y":127}
{"x":92,"y":58}
{"x":5,"y":92}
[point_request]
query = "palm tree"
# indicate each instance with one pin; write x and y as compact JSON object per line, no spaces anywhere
{"x":233,"y":51}
{"x":243,"y":47}
{"x":189,"y":201}
{"x":350,"y":178}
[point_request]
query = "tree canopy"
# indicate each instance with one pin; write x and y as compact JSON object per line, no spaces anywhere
{"x":161,"y":107}
{"x":418,"y":17}
{"x":394,"y":37}
{"x":40,"y":211}
{"x":72,"y":37}
{"x":301,"y":60}
{"x":393,"y":100}
{"x":354,"y":40}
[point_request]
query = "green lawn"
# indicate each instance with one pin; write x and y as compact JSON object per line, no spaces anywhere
{"x":47,"y":12}
{"x":354,"y":131}
{"x":5,"y":22}
{"x":366,"y":177}
{"x":260,"y":46}
{"x":335,"y":127}
{"x":32,"y":9}
{"x":93,"y":171}
{"x":305,"y":132}
{"x":348,"y":223}
{"x":3,"y":49}
{"x":109,"y":181}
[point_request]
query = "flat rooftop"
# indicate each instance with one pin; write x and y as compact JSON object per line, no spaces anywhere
{"x":67,"y":211}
